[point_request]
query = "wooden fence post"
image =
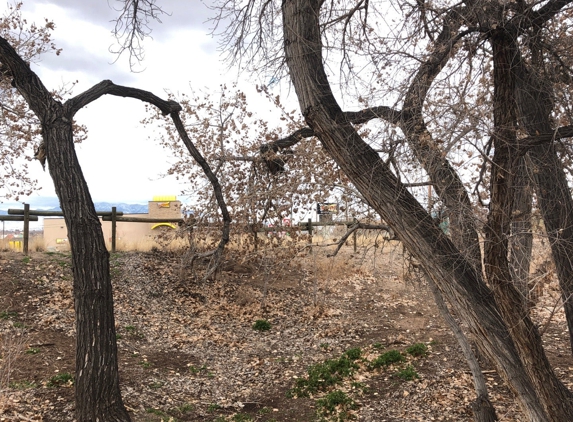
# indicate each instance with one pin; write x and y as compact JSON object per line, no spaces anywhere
{"x":310,"y":232}
{"x":113,"y":227}
{"x":26,"y":228}
{"x":354,"y":235}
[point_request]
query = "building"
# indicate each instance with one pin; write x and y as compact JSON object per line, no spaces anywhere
{"x":168,"y":207}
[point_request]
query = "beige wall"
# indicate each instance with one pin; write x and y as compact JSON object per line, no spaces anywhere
{"x":56,"y":234}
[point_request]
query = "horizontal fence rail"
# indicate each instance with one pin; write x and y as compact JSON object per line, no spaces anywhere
{"x":43,"y":213}
{"x":26,"y":215}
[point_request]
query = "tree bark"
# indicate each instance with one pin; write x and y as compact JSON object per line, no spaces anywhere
{"x":556,"y":206}
{"x":98,"y":395}
{"x":550,"y":181}
{"x":482,"y":408}
{"x":449,"y":188}
{"x":521,"y":242}
{"x":454,"y":275}
{"x":447,"y":183}
{"x":555,"y":397}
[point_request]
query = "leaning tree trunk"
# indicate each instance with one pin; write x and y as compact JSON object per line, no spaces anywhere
{"x":98,"y":396}
{"x":454,"y":275}
{"x":482,"y":407}
{"x":449,"y":188}
{"x":521,"y":244}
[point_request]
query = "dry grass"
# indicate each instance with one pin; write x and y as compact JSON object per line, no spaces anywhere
{"x":12,"y":345}
{"x":148,"y":244}
{"x":37,"y":244}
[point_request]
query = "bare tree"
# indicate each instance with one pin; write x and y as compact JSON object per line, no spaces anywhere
{"x":97,"y":381}
{"x":467,"y":77}
{"x":495,"y":313}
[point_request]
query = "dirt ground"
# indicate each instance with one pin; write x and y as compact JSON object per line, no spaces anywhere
{"x":188,"y":350}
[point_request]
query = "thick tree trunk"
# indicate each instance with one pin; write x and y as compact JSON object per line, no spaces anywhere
{"x":98,"y":397}
{"x":456,"y":278}
{"x":521,"y":242}
{"x":553,"y":194}
{"x":556,"y":205}
{"x":555,"y":397}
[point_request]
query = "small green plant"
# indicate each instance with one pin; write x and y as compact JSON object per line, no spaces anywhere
{"x":118,"y":336}
{"x":200,"y":370}
{"x":155,"y":411}
{"x":408,"y":373}
{"x":324,"y":346}
{"x":417,"y":350}
{"x":185,"y":408}
{"x":213,"y":407}
{"x":264,"y":410}
{"x":156,"y":385}
{"x":377,"y":345}
{"x":241,"y":417}
{"x":133,"y":331}
{"x":336,"y":403}
{"x":8,"y":314}
{"x":386,"y":359}
{"x":360,"y":387}
{"x":32,"y":351}
{"x":145,"y":364}
{"x":323,"y":375}
{"x":26,"y":260}
{"x":261,"y":325}
{"x":23,"y":385}
{"x":353,"y":354}
{"x":62,"y":379}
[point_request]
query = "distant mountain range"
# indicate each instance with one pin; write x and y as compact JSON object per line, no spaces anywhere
{"x":99,"y":206}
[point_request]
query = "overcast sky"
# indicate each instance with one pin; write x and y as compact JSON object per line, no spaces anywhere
{"x":120,"y":161}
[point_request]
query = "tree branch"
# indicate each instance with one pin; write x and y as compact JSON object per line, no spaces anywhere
{"x":108,"y":87}
{"x":525,"y":144}
{"x":357,"y":226}
{"x":218,"y":252}
{"x":355,"y":117}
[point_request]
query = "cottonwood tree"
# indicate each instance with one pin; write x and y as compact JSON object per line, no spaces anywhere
{"x":477,"y":48}
{"x":97,"y":382}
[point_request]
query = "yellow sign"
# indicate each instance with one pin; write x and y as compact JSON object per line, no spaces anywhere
{"x":172,"y":226}
{"x":164,"y":198}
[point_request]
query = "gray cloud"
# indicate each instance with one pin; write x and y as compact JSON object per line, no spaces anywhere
{"x":189,"y":14}
{"x":74,"y":58}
